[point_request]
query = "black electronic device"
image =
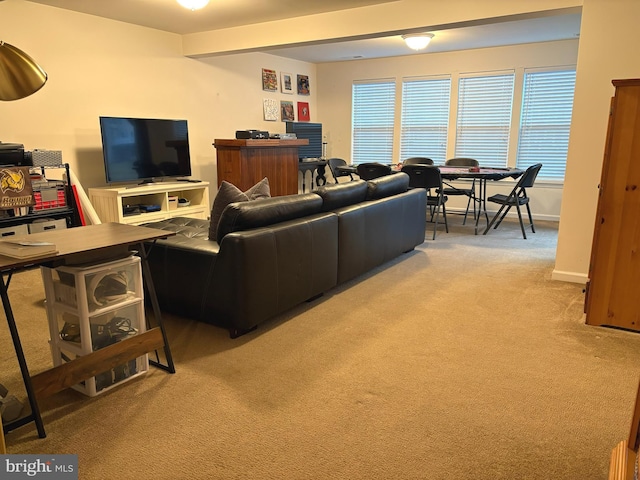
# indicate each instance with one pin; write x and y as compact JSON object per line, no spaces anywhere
{"x":310,"y":131}
{"x":150,"y":208}
{"x":14,"y":154}
{"x":251,"y":134}
{"x":144,"y":149}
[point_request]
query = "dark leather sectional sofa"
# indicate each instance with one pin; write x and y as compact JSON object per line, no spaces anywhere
{"x":273,"y":254}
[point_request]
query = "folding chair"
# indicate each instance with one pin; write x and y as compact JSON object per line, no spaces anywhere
{"x":516,"y":198}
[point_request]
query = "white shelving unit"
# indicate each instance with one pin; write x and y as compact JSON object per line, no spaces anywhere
{"x":110,"y":202}
{"x":91,"y":307}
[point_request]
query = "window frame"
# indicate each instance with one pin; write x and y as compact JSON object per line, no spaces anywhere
{"x":556,"y":144}
{"x":420,"y":137}
{"x":475,"y":136}
{"x":372,"y":136}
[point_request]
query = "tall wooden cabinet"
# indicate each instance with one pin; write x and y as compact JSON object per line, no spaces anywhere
{"x":613,"y":288}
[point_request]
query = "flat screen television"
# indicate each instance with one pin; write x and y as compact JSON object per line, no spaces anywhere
{"x":310,"y":131}
{"x":144,"y":150}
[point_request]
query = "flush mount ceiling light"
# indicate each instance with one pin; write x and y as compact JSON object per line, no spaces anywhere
{"x":193,"y":4}
{"x":418,"y":41}
{"x":20,"y":75}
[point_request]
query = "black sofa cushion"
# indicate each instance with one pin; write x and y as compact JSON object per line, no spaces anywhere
{"x":260,"y":213}
{"x":387,"y":186}
{"x":339,"y":195}
{"x":184,"y":226}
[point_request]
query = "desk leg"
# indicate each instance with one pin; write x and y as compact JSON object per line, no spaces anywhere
{"x":3,"y":447}
{"x":34,"y":416}
{"x":148,"y":281}
{"x":483,"y":202}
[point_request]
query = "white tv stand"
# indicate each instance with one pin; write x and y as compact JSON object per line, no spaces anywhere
{"x":110,"y":202}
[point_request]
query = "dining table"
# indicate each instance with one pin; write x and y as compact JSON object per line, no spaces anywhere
{"x":482,"y":175}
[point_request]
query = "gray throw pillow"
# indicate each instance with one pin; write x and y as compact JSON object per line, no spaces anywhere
{"x":229,"y":193}
{"x":259,"y":190}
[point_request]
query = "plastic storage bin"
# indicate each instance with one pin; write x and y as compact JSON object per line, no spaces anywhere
{"x":90,"y":307}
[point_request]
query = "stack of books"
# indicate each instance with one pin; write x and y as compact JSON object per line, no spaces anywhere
{"x":26,"y":248}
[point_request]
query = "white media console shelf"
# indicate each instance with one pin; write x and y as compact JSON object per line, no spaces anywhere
{"x":126,"y":204}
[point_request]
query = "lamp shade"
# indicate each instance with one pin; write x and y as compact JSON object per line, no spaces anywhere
{"x":417,"y":41}
{"x":20,"y":75}
{"x":193,"y":4}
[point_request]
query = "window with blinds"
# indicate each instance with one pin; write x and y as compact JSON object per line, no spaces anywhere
{"x":425,"y":118}
{"x":547,"y":104}
{"x":484,"y":118}
{"x":373,"y":113}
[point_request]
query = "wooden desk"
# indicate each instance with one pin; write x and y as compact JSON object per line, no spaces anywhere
{"x":245,"y":162}
{"x":79,"y":245}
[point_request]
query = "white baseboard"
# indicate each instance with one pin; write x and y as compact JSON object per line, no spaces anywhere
{"x":572,"y":277}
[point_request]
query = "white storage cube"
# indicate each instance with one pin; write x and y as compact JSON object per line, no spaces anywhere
{"x":15,"y":230}
{"x":43,"y":226}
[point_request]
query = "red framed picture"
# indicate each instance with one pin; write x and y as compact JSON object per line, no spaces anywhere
{"x":303,"y":112}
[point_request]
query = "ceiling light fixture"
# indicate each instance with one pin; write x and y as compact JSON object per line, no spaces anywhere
{"x":418,"y":41}
{"x":20,"y":75}
{"x":193,"y":4}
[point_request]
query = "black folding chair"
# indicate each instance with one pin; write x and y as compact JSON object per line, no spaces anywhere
{"x":470,"y":192}
{"x":371,"y":170}
{"x":334,"y":166}
{"x":516,"y":198}
{"x":417,"y":161}
{"x":428,"y":177}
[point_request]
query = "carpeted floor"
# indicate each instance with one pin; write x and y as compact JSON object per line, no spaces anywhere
{"x":460,"y":360}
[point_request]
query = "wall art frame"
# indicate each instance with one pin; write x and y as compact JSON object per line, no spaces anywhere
{"x":269,"y":80}
{"x":286,"y":83}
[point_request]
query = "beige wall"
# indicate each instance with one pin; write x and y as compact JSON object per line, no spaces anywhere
{"x":101,"y":67}
{"x":336,"y":79}
{"x":608,"y":50}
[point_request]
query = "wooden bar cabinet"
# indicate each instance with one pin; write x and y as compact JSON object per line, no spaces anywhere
{"x":245,"y":162}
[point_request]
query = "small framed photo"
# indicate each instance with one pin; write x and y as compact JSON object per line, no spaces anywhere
{"x":269,"y":80}
{"x":303,"y":85}
{"x":303,"y":112}
{"x":286,"y":111}
{"x":286,"y":83}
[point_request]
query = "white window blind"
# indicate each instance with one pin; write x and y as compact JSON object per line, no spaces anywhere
{"x":372,"y":121}
{"x":547,"y":104}
{"x":484,"y":118}
{"x":425,"y":118}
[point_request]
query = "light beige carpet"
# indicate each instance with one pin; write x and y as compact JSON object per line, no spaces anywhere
{"x":460,"y":360}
